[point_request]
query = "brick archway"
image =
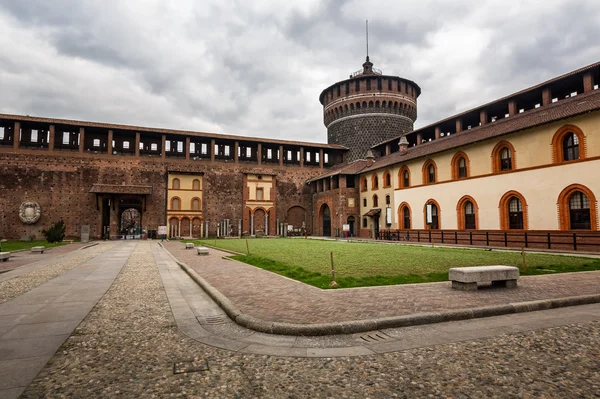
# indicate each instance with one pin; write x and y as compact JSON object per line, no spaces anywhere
{"x":564,"y":219}
{"x":504,"y":214}
{"x":439,"y":214}
{"x":497,"y":162}
{"x":454,"y":164}
{"x":401,"y":224}
{"x":460,"y":212}
{"x":557,"y":142}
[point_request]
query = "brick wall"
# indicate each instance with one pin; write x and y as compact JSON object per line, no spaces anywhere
{"x":60,"y":183}
{"x":360,"y":133}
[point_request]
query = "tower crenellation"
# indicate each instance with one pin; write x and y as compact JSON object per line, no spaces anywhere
{"x":368,"y":108}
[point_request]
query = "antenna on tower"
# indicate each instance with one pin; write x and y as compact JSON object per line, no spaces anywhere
{"x":367,"y":29}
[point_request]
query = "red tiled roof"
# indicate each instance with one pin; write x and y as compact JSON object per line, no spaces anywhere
{"x":352,"y":168}
{"x":167,"y":131}
{"x":581,"y":104}
{"x":483,"y":106}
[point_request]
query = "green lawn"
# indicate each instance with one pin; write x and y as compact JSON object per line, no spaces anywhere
{"x":13,"y":245}
{"x":366,"y":264}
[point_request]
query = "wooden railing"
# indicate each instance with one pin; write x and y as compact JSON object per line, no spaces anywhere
{"x":558,"y":240}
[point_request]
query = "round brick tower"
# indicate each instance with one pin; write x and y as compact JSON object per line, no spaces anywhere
{"x":368,"y":108}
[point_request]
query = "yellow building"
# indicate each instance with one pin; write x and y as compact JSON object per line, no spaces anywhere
{"x":184,"y":205}
{"x":529,"y":161}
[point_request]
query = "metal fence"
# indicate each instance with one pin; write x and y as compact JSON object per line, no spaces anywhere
{"x":558,"y":240}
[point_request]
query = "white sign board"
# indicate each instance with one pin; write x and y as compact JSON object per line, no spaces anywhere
{"x":388,"y":216}
{"x":346,"y":227}
{"x":162,"y":230}
{"x":429,"y":215}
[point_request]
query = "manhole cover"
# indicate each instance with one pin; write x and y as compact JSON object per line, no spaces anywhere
{"x":212,"y":319}
{"x":190,"y":366}
{"x":375,"y":337}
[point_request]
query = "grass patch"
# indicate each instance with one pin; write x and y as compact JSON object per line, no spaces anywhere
{"x":370,"y":264}
{"x":15,"y":245}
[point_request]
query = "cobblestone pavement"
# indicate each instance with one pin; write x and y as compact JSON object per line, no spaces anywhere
{"x":270,"y":297}
{"x":127,"y":345}
{"x":37,"y":273}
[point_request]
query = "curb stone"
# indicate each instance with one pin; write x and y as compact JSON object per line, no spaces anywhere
{"x":360,"y":326}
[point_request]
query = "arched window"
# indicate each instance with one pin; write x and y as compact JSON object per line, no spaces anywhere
{"x":196,"y":184}
{"x":577,"y":208}
{"x":196,"y":204}
{"x":432,"y":209}
{"x":404,"y":177}
{"x":175,"y":184}
{"x":375,"y":201}
{"x":469,"y":216}
{"x":364,"y":185}
{"x":515,"y":214}
{"x":387,"y":179}
{"x":568,"y":144}
{"x":571,"y":147}
{"x":467,"y":211}
{"x":513,"y":211}
{"x":429,"y":172}
{"x":579,"y":211}
{"x":374,"y":182}
{"x":503,"y":157}
{"x":460,"y":166}
{"x":404,"y":216}
{"x":175,"y":204}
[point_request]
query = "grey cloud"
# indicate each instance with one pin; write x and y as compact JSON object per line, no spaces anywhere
{"x":235,"y":68}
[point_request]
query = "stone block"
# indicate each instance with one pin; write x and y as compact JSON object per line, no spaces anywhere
{"x":466,"y":278}
{"x":202,"y":250}
{"x":189,"y":245}
{"x":38,"y":249}
{"x":4,"y":256}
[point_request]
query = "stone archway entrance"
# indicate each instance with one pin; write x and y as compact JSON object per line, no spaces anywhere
{"x":259,"y":222}
{"x":131,"y":223}
{"x":130,"y":217}
{"x":326,"y":220}
{"x":121,"y":209}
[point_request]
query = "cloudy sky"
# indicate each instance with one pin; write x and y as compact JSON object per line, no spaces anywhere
{"x":257,"y":67}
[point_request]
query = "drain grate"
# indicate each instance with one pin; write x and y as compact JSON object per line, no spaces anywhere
{"x":190,"y":366}
{"x":375,"y":337}
{"x":221,"y":319}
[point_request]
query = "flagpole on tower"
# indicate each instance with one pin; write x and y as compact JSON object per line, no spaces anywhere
{"x":367,"y":30}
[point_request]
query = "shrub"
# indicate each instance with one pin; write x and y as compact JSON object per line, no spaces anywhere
{"x":56,"y":232}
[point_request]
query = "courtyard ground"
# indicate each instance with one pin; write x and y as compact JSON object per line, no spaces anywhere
{"x":360,"y":264}
{"x":127,"y":345}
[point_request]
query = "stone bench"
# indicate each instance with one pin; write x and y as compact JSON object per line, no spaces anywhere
{"x":38,"y":249}
{"x":189,"y":245}
{"x":202,"y":250}
{"x":4,"y":256}
{"x":467,"y":278}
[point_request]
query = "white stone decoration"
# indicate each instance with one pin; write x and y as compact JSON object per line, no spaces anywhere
{"x":30,"y":212}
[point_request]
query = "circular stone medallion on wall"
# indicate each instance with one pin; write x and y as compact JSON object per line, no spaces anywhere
{"x":30,"y":212}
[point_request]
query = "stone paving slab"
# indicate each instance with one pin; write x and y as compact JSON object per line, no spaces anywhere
{"x":35,"y":324}
{"x":22,"y":258}
{"x":270,"y":297}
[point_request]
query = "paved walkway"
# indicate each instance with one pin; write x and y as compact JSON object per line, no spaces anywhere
{"x":20,"y":258}
{"x":200,"y":318}
{"x":270,"y":297}
{"x":35,"y":324}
